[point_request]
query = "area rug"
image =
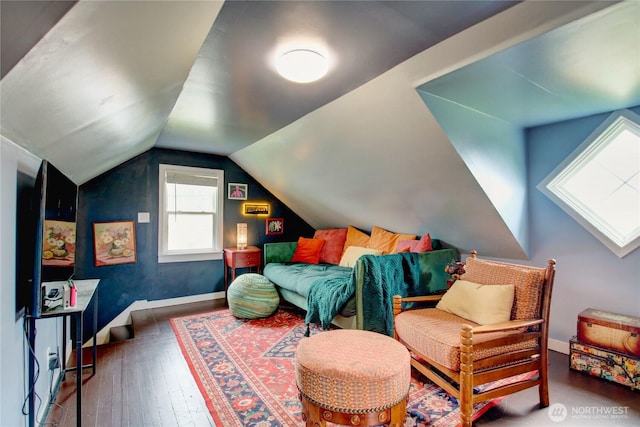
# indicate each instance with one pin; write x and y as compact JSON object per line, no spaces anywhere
{"x":245,"y":371}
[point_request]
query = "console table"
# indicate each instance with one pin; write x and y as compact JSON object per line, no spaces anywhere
{"x":87,"y":291}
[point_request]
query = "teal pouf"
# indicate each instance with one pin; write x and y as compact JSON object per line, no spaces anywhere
{"x":252,"y":296}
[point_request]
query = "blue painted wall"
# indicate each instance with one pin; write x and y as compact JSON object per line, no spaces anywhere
{"x":589,"y":274}
{"x":133,"y":187}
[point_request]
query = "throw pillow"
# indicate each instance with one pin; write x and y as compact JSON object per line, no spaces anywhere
{"x":386,"y":241}
{"x":352,"y":254}
{"x":355,"y":237}
{"x":406,"y":245}
{"x":482,"y":304}
{"x":424,"y":244}
{"x":308,"y":250}
{"x":334,"y":239}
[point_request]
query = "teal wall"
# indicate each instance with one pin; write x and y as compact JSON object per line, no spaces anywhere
{"x":132,"y":187}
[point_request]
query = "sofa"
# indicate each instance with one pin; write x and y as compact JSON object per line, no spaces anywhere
{"x":364,"y":291}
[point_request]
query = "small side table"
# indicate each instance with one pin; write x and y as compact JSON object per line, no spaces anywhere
{"x":234,"y":258}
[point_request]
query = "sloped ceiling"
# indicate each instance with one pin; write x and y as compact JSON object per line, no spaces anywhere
{"x":368,"y":145}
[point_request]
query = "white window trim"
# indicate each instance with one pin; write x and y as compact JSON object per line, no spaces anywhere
{"x":165,"y":255}
{"x":584,"y":217}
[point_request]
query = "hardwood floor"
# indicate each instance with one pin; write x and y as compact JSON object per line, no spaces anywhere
{"x":145,"y":381}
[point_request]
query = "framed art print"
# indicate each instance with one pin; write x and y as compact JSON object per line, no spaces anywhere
{"x":237,"y":191}
{"x":275,"y":226}
{"x":114,"y":243}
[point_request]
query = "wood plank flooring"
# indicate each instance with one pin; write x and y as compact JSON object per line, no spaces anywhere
{"x":145,"y":381}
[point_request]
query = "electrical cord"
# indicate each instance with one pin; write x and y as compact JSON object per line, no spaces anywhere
{"x":37,"y":372}
{"x":35,"y":380}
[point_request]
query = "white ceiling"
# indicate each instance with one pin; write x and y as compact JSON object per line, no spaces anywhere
{"x":360,"y":147}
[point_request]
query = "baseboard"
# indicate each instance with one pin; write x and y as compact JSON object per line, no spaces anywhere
{"x":124,"y":318}
{"x":559,"y":346}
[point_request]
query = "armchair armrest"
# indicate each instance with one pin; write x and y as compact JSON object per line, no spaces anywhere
{"x":506,"y":326}
{"x":398,"y":300}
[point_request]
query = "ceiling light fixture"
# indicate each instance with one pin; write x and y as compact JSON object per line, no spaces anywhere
{"x":302,"y":65}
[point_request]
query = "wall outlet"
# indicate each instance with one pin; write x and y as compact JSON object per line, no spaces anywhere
{"x":53,"y":359}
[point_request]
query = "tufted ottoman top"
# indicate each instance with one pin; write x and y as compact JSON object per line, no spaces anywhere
{"x":352,"y":371}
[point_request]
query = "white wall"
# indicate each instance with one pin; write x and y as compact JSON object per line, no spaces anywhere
{"x":14,"y":384}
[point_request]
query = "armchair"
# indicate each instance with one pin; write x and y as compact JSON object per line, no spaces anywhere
{"x":459,"y":354}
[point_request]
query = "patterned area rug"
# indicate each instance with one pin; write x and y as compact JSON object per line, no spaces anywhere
{"x":245,"y":371}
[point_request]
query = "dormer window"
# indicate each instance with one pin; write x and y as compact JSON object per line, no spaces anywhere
{"x":599,"y":183}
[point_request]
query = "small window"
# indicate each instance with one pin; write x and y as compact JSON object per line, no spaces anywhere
{"x":599,"y":183}
{"x":190,"y":214}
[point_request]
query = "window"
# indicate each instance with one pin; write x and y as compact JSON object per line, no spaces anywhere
{"x":599,"y":183}
{"x":190,"y":214}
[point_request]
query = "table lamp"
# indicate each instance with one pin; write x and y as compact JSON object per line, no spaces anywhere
{"x":242,"y":236}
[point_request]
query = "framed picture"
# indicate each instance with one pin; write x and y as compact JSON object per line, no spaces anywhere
{"x":114,"y":243}
{"x":237,"y":191}
{"x":58,"y":243}
{"x":275,"y":226}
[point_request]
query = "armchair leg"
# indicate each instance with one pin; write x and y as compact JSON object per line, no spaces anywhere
{"x":543,"y":391}
{"x":466,"y":377}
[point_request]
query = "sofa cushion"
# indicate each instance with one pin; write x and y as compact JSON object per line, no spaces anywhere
{"x":299,"y":277}
{"x":308,"y":250}
{"x":483,"y":304}
{"x":355,"y":237}
{"x":334,"y":239}
{"x":436,"y":334}
{"x":528,"y":283}
{"x":352,"y":254}
{"x":386,"y":241}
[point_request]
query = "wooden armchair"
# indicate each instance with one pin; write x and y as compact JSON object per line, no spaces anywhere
{"x":460,"y":355}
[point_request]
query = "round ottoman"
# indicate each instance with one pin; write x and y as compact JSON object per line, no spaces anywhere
{"x":251,"y":296}
{"x":352,"y":377}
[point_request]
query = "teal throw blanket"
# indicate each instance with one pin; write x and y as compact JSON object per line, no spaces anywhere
{"x":384,"y":277}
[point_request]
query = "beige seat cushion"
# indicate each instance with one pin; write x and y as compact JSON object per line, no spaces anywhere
{"x":436,"y":334}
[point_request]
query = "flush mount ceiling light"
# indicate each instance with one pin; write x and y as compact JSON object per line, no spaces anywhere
{"x":302,"y":66}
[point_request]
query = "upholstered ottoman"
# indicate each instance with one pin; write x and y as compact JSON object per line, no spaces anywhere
{"x":352,"y":377}
{"x":251,"y":296}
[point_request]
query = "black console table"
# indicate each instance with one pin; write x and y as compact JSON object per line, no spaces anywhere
{"x":87,"y":291}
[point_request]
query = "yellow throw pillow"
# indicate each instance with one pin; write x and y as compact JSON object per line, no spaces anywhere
{"x":482,"y":304}
{"x":352,"y":254}
{"x":386,"y":241}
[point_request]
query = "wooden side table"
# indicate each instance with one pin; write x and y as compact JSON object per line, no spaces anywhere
{"x":234,"y":258}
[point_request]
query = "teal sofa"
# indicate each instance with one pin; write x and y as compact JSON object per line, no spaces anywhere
{"x":293,"y":280}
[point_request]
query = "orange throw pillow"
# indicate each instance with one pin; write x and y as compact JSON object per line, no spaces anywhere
{"x":386,"y":241}
{"x":355,"y":237}
{"x":308,"y":250}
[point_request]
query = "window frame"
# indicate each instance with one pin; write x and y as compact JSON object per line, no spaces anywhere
{"x":215,"y":253}
{"x":581,"y":156}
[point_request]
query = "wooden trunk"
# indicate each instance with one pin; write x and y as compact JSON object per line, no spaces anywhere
{"x":611,"y":331}
{"x":604,"y":363}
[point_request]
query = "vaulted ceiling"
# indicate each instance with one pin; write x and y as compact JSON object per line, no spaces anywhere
{"x":398,"y":134}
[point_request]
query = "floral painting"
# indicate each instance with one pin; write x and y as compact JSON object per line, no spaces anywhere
{"x":59,"y":243}
{"x":114,"y":243}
